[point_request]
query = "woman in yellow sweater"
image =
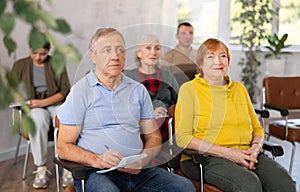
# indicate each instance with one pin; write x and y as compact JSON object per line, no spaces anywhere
{"x":214,"y":115}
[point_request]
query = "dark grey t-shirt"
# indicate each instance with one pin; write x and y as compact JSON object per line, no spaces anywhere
{"x":39,"y":78}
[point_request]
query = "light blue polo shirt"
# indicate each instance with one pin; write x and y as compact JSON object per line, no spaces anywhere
{"x":107,"y":117}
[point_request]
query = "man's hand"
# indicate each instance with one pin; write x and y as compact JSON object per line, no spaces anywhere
{"x":108,"y":159}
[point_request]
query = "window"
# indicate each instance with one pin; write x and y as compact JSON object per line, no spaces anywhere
{"x":289,"y":20}
{"x":203,"y":15}
{"x":212,"y":18}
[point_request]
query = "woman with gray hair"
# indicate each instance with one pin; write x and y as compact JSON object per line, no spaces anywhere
{"x":160,"y":83}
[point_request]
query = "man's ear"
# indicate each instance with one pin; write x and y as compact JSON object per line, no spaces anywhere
{"x":93,"y":56}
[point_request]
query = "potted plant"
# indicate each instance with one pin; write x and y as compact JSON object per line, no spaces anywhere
{"x":253,"y":18}
{"x":275,"y":63}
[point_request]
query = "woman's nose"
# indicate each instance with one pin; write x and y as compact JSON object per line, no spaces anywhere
{"x":216,"y":60}
{"x":37,"y":56}
{"x":153,"y":51}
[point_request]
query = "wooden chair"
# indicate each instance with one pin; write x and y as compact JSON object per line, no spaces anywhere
{"x":283,"y":95}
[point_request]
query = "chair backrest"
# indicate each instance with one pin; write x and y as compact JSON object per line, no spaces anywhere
{"x":56,"y":124}
{"x":18,"y":114}
{"x":184,"y":72}
{"x":282,"y":91}
{"x":189,"y":69}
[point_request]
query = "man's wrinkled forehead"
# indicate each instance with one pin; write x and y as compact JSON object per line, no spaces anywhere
{"x":112,"y":39}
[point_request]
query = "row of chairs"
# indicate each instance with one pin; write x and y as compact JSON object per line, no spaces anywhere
{"x":286,"y":93}
{"x":280,"y":93}
{"x":80,"y":172}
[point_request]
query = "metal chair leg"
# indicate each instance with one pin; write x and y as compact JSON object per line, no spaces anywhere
{"x":56,"y":165}
{"x":82,"y":185}
{"x":57,"y":177}
{"x":18,"y":148}
{"x":292,"y":158}
{"x":19,"y":113}
{"x":26,"y":160}
{"x":201,"y":178}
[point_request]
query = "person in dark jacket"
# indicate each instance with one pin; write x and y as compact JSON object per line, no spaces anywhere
{"x":45,"y":92}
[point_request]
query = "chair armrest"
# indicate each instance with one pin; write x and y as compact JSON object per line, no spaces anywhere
{"x":18,"y":106}
{"x":170,"y":158}
{"x":262,"y":112}
{"x":283,"y":111}
{"x":195,"y":155}
{"x":78,"y":171}
{"x":274,"y":148}
{"x":171,"y":161}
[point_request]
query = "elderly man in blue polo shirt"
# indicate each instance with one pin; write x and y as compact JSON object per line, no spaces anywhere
{"x":102,"y":121}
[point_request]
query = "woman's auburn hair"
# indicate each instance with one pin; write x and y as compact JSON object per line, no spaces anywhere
{"x":210,"y":45}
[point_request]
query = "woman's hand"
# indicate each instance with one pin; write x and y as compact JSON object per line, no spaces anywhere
{"x":36,"y":103}
{"x":245,"y":158}
{"x":254,"y":151}
{"x":160,"y":111}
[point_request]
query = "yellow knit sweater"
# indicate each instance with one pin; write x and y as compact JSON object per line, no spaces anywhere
{"x":221,"y":115}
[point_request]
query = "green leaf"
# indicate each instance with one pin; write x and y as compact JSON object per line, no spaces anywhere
{"x":284,"y":37}
{"x":36,"y":39}
{"x":12,"y":79}
{"x":28,"y":126}
{"x":10,"y":44}
{"x":62,"y":26}
{"x":25,"y":10}
{"x":7,"y":23}
{"x":46,"y":18}
{"x":2,"y":6}
{"x":22,"y":91}
{"x":58,"y":62}
{"x":5,"y":96}
{"x":71,"y":52}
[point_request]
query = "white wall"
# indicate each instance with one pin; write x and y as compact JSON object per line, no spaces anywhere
{"x":292,"y":68}
{"x":132,"y":17}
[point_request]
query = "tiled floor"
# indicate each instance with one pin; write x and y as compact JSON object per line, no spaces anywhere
{"x":285,"y":159}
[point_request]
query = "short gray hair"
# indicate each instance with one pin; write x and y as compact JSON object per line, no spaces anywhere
{"x":147,"y":39}
{"x":103,"y":32}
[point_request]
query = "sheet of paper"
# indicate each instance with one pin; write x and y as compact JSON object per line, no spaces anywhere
{"x":17,"y":104}
{"x":125,"y":161}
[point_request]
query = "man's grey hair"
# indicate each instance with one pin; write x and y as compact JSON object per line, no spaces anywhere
{"x":100,"y":33}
